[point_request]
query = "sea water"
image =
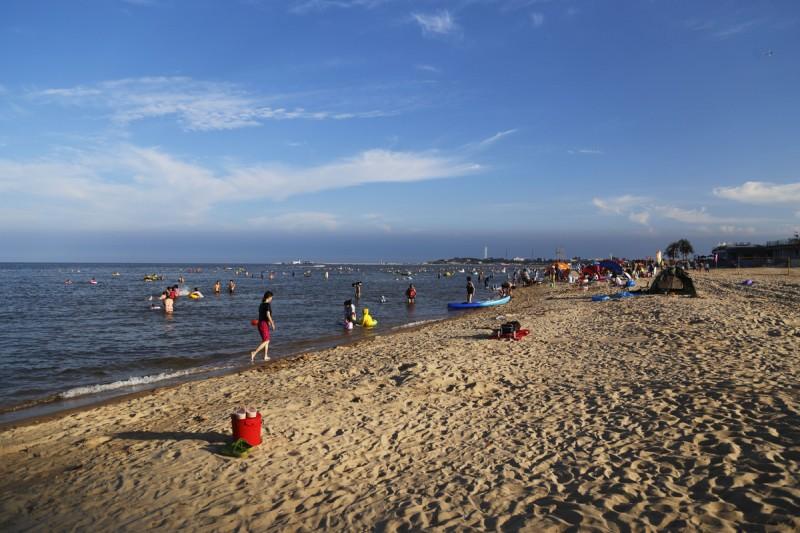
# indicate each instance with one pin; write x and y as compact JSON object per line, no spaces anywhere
{"x":63,"y":344}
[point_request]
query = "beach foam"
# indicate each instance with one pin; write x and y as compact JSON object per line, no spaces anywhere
{"x":130,"y":382}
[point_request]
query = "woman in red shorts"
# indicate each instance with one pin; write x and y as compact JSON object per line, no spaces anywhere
{"x":264,"y":323}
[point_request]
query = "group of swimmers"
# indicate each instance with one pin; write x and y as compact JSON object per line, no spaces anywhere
{"x":367,"y":321}
{"x":168,"y":296}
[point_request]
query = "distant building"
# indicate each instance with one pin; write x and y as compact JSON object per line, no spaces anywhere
{"x":745,"y":254}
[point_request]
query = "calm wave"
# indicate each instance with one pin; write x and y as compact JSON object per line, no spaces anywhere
{"x":59,"y":341}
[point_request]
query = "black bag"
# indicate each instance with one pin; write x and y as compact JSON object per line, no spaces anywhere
{"x":509,"y":328}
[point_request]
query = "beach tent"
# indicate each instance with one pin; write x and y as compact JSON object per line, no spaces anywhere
{"x":612,"y":266}
{"x":558,"y":266}
{"x":672,"y":280}
{"x":591,"y":270}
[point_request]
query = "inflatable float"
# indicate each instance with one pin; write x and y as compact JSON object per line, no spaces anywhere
{"x":367,"y":321}
{"x":480,"y":303}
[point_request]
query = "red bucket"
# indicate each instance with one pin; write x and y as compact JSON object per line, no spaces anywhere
{"x":248,"y":429}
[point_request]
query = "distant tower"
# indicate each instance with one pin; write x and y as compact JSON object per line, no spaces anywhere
{"x":486,"y":252}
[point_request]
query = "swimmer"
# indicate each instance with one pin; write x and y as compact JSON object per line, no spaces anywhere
{"x":168,"y":302}
{"x":67,"y":282}
{"x":154,"y":307}
{"x":218,"y":287}
{"x":383,"y":299}
{"x":349,"y":311}
{"x":195,"y":293}
{"x":231,"y":287}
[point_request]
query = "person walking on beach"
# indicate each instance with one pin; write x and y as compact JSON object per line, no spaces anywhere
{"x":470,"y":289}
{"x":264,"y":323}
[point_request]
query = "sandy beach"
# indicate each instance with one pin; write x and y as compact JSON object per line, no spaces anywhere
{"x":642,"y":414}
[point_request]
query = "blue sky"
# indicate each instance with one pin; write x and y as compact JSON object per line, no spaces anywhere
{"x":389,"y":129}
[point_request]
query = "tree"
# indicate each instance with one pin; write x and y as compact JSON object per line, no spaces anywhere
{"x":685,"y":248}
{"x":672,"y":250}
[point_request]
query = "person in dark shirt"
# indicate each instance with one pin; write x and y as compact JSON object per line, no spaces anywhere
{"x":265,"y":322}
{"x":470,"y":289}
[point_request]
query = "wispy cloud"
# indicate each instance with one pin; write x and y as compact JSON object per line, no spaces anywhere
{"x":440,"y":23}
{"x":620,"y":204}
{"x":643,"y":210}
{"x":304,"y":7}
{"x":689,"y":216}
{"x":496,"y":137}
{"x":761,"y":192}
{"x":728,"y":229}
{"x":197,"y":105}
{"x":132,"y":185}
{"x":585,"y":151}
{"x":537,"y":19}
{"x":141,"y":2}
{"x":425,"y":68}
{"x":721,"y":29}
{"x":642,"y":218}
{"x":299,"y":221}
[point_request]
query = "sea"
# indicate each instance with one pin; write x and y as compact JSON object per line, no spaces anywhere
{"x":65,"y":345}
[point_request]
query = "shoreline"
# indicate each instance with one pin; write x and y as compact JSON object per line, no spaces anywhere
{"x":92,"y":400}
{"x":647,"y":413}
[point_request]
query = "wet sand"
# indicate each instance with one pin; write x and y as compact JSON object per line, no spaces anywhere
{"x":647,"y":413}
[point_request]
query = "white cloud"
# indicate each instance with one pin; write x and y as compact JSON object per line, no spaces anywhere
{"x":620,"y":204}
{"x":689,"y":216}
{"x":643,"y":210}
{"x":197,"y":105}
{"x":429,"y":68}
{"x":586,"y":151}
{"x":371,"y":166}
{"x":721,"y":29}
{"x":441,"y":23}
{"x":642,"y":218}
{"x":760,"y":192}
{"x":537,"y":19}
{"x":146,"y":186}
{"x":309,"y":6}
{"x":496,"y":137}
{"x":301,"y":221}
{"x":736,"y":230}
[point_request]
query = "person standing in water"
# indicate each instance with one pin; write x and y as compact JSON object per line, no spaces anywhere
{"x":264,"y":323}
{"x":470,"y":289}
{"x":168,"y":302}
{"x":357,"y":289}
{"x":411,"y":294}
{"x":231,"y":287}
{"x":218,"y":287}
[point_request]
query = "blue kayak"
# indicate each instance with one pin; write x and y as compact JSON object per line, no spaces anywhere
{"x":483,"y":303}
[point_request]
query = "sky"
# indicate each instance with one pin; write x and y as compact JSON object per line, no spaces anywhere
{"x":368,"y":130}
